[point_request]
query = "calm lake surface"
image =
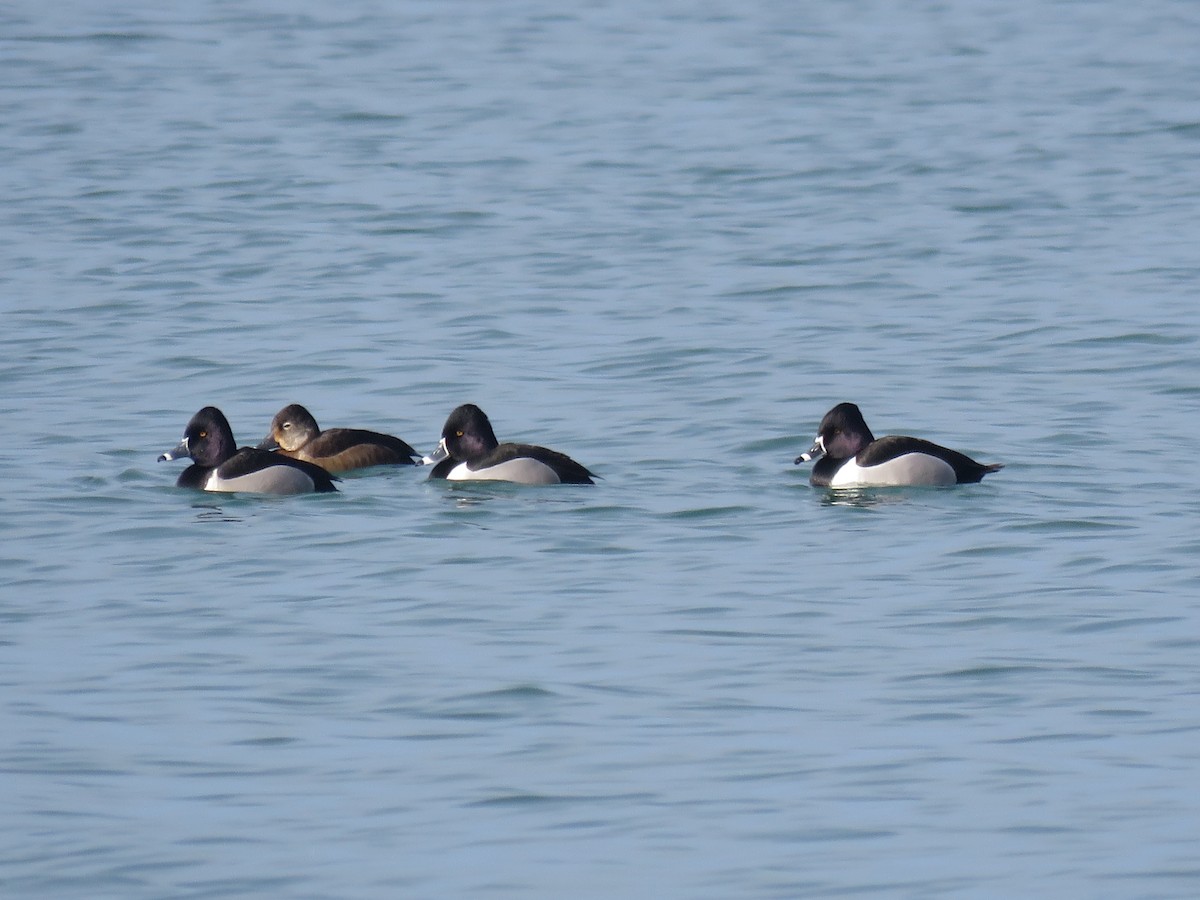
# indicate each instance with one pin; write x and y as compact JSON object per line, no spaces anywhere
{"x":664,"y":240}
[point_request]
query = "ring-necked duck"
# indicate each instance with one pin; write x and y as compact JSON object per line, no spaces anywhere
{"x":295,"y":433}
{"x":218,"y":464}
{"x":469,"y":451}
{"x":849,"y":455}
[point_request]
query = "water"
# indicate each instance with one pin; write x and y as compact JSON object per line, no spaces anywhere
{"x":664,"y":241}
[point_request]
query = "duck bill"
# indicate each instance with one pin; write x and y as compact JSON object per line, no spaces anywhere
{"x":437,"y":455}
{"x":816,"y":451}
{"x":267,"y":443}
{"x":176,"y":452}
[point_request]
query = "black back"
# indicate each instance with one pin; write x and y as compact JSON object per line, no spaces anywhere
{"x":844,"y":435}
{"x":469,"y":438}
{"x":211,"y":446}
{"x":966,"y":470}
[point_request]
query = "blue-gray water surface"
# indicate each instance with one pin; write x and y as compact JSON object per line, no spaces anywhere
{"x":663,"y":239}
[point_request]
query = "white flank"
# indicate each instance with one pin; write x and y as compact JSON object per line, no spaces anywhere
{"x":272,"y":480}
{"x":521,"y":471}
{"x":909,"y":469}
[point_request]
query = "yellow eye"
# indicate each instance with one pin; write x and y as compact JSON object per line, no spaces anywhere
{"x":458,"y":434}
{"x":204,"y":434}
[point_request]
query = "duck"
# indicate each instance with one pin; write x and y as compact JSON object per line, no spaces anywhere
{"x":295,"y":433}
{"x":218,"y":464}
{"x":469,"y":451}
{"x":848,"y":455}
